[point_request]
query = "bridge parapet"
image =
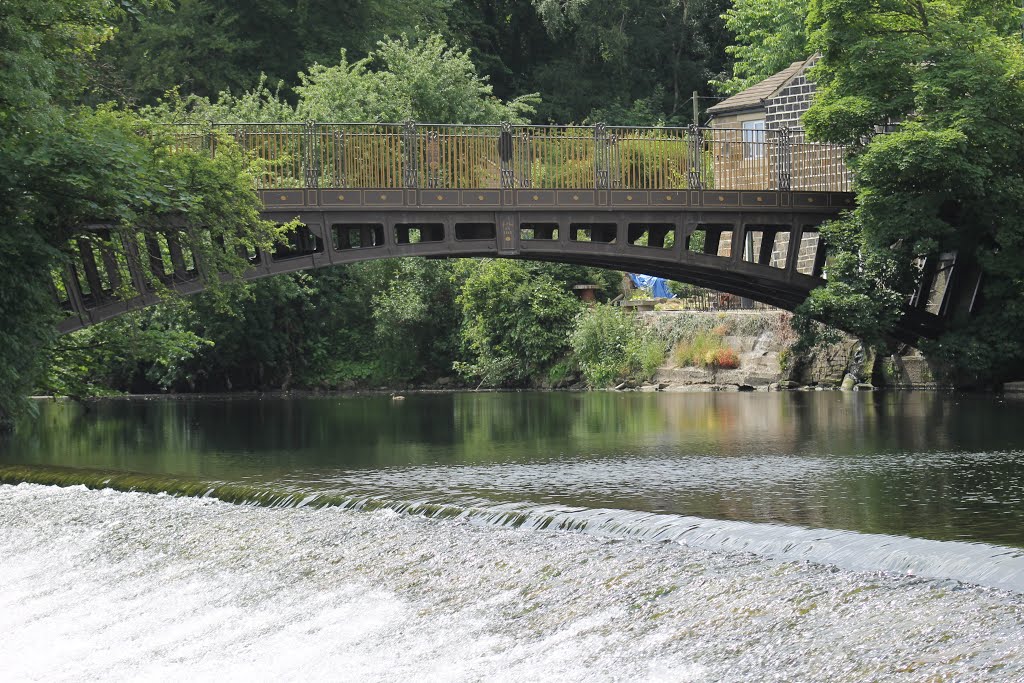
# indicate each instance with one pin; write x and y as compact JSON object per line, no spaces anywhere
{"x":599,"y":158}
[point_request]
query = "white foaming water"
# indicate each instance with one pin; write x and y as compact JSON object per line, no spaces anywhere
{"x":976,"y":563}
{"x":124,"y":586}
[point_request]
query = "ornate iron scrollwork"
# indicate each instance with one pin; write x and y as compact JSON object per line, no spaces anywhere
{"x":410,"y":172}
{"x":784,"y":159}
{"x":695,"y":154}
{"x":602,"y":160}
{"x":311,"y":158}
{"x":433,"y":159}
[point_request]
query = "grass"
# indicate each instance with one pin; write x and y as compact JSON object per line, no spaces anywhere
{"x":705,"y":349}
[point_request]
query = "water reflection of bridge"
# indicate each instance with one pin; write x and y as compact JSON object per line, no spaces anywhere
{"x":704,"y":206}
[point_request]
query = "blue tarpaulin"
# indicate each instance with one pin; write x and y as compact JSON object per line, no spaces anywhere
{"x":657,"y":286}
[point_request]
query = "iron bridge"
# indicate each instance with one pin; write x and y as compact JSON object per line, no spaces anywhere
{"x":732,"y":210}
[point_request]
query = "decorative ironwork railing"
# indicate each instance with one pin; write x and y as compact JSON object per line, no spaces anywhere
{"x":455,"y":156}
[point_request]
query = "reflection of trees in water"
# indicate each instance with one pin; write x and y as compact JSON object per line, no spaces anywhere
{"x":366,"y":429}
{"x":531,"y":427}
{"x":925,"y":463}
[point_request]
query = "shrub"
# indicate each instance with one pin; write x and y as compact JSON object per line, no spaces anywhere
{"x":610,"y":345}
{"x":682,"y":289}
{"x":515,"y":321}
{"x":726,"y":359}
{"x":560,"y":372}
{"x":645,"y":353}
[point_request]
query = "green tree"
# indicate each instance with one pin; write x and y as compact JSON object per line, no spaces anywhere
{"x":402,"y":79}
{"x":508,"y":41}
{"x":43,"y":46}
{"x":768,"y":36}
{"x":415,"y":320}
{"x":209,"y":46}
{"x":516,"y":321}
{"x":63,"y":166}
{"x":950,"y":178}
{"x":630,"y":62}
{"x":423,"y":80}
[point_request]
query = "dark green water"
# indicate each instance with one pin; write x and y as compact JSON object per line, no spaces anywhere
{"x":913,"y":464}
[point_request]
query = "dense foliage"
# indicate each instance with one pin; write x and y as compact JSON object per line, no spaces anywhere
{"x":63,"y":166}
{"x":206,"y":46}
{"x":626,"y":61}
{"x":950,"y":178}
{"x":609,"y":345}
{"x":769,"y":35}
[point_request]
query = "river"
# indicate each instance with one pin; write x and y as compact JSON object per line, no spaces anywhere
{"x":559,"y":537}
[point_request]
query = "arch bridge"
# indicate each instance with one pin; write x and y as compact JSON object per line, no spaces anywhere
{"x":733,"y":210}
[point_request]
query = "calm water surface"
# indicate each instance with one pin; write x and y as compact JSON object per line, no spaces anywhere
{"x":600,"y":536}
{"x":916,"y":464}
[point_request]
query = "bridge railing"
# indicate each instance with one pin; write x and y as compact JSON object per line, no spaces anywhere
{"x":454,"y":156}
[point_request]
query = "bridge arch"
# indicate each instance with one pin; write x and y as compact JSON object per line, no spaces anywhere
{"x":776,"y":259}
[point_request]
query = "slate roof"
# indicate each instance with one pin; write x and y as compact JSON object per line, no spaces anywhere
{"x":755,"y":96}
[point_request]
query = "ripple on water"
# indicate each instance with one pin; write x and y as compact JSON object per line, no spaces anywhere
{"x":103,"y":584}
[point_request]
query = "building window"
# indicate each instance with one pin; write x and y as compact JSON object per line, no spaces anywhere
{"x":753,"y":139}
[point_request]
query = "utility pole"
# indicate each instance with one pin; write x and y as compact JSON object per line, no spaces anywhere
{"x":696,"y":110}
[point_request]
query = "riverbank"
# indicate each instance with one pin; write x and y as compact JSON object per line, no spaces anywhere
{"x":740,"y":350}
{"x":765,"y":360}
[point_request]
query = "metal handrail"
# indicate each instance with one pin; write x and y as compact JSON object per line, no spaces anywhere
{"x":474,"y":156}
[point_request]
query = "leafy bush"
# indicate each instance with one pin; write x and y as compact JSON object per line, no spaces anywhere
{"x":515,"y":321}
{"x":610,"y":345}
{"x":645,"y":353}
{"x":682,"y":289}
{"x":560,"y":372}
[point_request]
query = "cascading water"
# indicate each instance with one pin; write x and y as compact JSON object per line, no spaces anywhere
{"x":127,"y":586}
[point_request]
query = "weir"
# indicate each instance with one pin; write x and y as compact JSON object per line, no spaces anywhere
{"x":711,"y":207}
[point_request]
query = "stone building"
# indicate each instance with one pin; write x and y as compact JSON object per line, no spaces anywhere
{"x":777,"y":101}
